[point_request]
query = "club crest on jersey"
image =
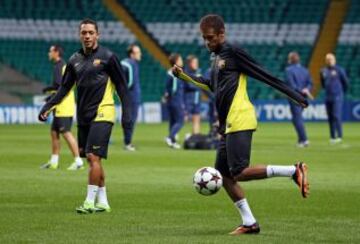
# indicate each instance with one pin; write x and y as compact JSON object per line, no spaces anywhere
{"x":97,"y":62}
{"x":333,"y":73}
{"x":221,"y":64}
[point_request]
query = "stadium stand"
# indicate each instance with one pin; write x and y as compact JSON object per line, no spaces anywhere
{"x":348,"y":50}
{"x":28,"y":28}
{"x":247,"y":11}
{"x":268,"y":29}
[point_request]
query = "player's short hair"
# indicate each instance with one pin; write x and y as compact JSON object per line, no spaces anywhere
{"x":89,"y":21}
{"x":294,"y":57}
{"x":190,"y":58}
{"x":212,"y":21}
{"x":130,"y":49}
{"x":58,"y":49}
{"x":173,"y":58}
{"x":330,"y":54}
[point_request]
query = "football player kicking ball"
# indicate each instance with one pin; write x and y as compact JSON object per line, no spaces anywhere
{"x":97,"y":72}
{"x":237,"y":118}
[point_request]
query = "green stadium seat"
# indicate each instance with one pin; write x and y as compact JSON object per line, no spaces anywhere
{"x":29,"y":56}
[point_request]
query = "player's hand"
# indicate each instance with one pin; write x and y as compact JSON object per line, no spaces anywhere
{"x":176,"y":70}
{"x":302,"y":101}
{"x":43,"y":116}
{"x":307,"y":93}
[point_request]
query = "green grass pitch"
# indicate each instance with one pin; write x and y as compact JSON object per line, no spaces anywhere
{"x":153,"y":201}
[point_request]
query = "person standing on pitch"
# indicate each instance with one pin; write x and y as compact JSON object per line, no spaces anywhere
{"x":237,"y":118}
{"x":298,"y":78}
{"x":192,"y":94}
{"x":212,"y":113}
{"x":63,"y":115}
{"x":97,"y":72}
{"x":335,"y":82}
{"x":174,"y":97}
{"x":131,"y":68}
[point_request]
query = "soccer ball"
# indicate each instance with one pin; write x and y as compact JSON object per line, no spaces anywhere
{"x":207,"y":181}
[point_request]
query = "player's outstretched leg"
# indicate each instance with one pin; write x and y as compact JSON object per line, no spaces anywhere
{"x":297,"y":172}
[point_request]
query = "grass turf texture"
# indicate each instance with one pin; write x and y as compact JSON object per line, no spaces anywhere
{"x":152,"y":197}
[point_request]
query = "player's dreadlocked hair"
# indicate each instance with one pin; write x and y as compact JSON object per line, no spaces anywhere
{"x":212,"y":21}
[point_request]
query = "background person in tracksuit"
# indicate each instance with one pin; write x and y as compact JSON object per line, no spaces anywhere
{"x":192,"y":94}
{"x":298,"y":78}
{"x":212,"y":113}
{"x":335,"y":83}
{"x":174,"y":96}
{"x":131,"y":68}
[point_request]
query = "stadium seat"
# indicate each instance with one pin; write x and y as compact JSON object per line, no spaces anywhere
{"x":267,"y":29}
{"x":28,"y":28}
{"x":348,"y":51}
{"x":264,"y":27}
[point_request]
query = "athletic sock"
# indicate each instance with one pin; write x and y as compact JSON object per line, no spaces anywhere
{"x":274,"y":170}
{"x":91,"y":193}
{"x":245,"y":212}
{"x":54,"y":159}
{"x":79,"y":161}
{"x":102,"y":197}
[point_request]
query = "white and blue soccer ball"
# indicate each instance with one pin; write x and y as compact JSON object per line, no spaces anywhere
{"x":207,"y":181}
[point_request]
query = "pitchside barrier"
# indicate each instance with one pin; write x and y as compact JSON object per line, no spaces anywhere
{"x":155,"y":112}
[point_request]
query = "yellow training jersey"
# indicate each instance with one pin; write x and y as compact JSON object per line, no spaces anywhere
{"x":66,"y":108}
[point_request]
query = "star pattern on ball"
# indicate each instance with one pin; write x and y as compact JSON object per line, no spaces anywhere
{"x":207,"y":181}
{"x":203,"y":171}
{"x":215,"y":178}
{"x":202,"y":184}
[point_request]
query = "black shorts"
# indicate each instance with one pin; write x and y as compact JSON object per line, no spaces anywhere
{"x":61,"y":124}
{"x":233,"y":153}
{"x":94,"y":138}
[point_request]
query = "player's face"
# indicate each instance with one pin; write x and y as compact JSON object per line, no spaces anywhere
{"x":136,"y":53}
{"x":194,"y":64}
{"x":212,"y":39}
{"x":330,"y":60}
{"x":179,"y":62}
{"x":53,"y":54}
{"x":89,"y":36}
